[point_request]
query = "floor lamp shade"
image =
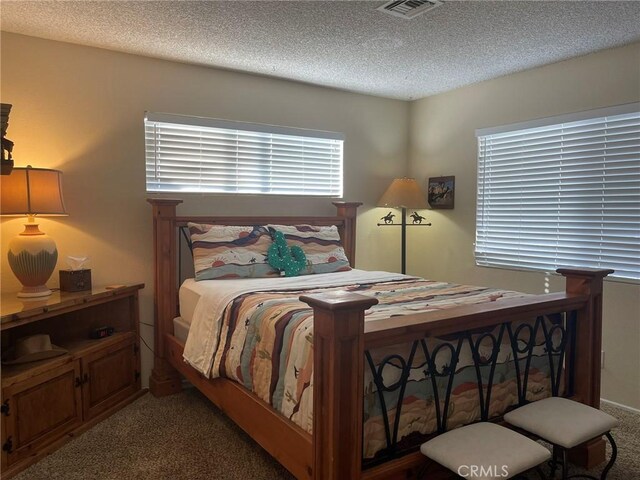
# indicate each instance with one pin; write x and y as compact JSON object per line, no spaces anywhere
{"x":32,"y":254}
{"x":403,"y":193}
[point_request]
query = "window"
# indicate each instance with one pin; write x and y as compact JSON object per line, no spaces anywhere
{"x":194,"y":154}
{"x":563,"y":191}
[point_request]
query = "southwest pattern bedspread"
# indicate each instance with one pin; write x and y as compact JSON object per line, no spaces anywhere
{"x":266,"y":344}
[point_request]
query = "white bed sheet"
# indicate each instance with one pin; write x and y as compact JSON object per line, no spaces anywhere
{"x":214,"y":295}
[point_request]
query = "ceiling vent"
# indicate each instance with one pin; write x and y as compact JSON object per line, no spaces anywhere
{"x":409,"y":8}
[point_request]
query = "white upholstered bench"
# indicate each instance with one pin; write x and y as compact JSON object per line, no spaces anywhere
{"x":485,"y":451}
{"x":565,"y":424}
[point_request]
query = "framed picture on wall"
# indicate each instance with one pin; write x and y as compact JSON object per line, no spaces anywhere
{"x":441,"y":191}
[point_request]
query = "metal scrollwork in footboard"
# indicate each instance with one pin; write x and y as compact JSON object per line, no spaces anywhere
{"x":509,"y":354}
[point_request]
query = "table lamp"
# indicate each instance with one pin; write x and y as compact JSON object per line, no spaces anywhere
{"x":32,"y":254}
{"x":403,"y":193}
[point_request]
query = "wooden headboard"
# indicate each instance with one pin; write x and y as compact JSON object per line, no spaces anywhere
{"x":166,"y":228}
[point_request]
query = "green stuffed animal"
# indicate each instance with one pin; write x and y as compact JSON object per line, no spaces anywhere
{"x":290,"y":260}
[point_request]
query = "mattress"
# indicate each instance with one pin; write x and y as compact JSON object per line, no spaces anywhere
{"x":189,"y":296}
{"x":181,"y":329}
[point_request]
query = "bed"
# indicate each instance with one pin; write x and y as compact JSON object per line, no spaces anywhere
{"x":355,"y":432}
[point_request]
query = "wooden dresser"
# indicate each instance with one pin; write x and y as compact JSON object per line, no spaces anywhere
{"x":47,"y":402}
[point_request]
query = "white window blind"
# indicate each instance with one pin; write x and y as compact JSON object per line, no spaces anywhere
{"x":566,"y":193}
{"x":194,"y":154}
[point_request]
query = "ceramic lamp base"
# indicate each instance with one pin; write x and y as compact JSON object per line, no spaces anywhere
{"x":32,"y":258}
{"x":34,"y":292}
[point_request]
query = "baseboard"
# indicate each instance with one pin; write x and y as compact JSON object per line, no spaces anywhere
{"x":620,"y":405}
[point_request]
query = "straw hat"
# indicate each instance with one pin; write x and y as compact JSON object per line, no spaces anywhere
{"x":33,"y":348}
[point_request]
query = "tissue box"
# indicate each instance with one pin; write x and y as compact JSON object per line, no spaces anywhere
{"x":75,"y":280}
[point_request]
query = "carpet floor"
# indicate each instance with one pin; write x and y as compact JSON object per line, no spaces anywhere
{"x":185,"y":437}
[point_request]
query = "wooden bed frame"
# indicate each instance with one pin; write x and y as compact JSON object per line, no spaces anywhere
{"x":334,"y":450}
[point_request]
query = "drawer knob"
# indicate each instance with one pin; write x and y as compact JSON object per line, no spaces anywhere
{"x":5,"y":408}
{"x":8,"y":445}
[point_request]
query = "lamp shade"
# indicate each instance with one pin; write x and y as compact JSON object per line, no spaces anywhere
{"x":403,"y":193}
{"x":32,"y":191}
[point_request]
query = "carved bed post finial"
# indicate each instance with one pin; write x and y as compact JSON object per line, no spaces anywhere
{"x":349,"y":211}
{"x":164,"y":379}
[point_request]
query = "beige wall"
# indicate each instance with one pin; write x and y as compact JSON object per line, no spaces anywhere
{"x":81,"y":110}
{"x":443,"y":143}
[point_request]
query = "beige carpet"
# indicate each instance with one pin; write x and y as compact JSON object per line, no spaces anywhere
{"x":178,"y":437}
{"x":185,"y":437}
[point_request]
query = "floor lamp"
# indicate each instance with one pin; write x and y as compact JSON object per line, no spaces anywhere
{"x":403,"y":193}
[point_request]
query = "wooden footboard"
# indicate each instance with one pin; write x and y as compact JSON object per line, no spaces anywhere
{"x":341,"y":341}
{"x":344,"y":338}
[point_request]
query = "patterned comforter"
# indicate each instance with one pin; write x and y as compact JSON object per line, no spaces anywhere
{"x":264,"y":341}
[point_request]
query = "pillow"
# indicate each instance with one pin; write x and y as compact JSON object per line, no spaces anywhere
{"x":321,"y":246}
{"x":223,"y":251}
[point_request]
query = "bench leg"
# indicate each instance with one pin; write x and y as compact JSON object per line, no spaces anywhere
{"x":614,"y":454}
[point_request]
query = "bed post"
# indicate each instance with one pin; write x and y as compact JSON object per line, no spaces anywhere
{"x":338,"y":376}
{"x":164,"y":379}
{"x":349,"y":211}
{"x":588,"y":344}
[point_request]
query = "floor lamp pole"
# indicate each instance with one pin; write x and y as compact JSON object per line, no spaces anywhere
{"x":404,"y":240}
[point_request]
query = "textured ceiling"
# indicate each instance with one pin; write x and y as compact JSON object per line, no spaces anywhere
{"x":342,"y":44}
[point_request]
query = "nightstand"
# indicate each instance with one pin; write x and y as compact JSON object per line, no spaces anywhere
{"x":45,"y":403}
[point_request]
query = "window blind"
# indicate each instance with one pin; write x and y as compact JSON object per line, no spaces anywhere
{"x":194,"y":154}
{"x":562,"y":194}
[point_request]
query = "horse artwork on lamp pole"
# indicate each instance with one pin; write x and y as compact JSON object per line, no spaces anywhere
{"x":417,"y":218}
{"x":388,"y":218}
